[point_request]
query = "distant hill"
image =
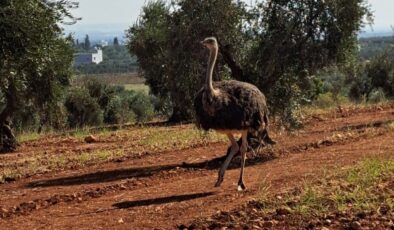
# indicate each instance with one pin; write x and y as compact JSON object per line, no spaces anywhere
{"x":98,"y":32}
{"x":372,"y":46}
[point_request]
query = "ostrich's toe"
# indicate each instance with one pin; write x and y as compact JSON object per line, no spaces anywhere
{"x":219,"y":181}
{"x":241,"y":186}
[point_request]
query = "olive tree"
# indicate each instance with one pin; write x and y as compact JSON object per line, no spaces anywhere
{"x":35,"y":58}
{"x":277,"y":45}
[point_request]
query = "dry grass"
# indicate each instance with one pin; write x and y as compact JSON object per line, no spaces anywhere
{"x":135,"y":141}
{"x":361,"y":187}
{"x":137,"y":87}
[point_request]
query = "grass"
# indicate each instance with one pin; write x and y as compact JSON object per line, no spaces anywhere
{"x":174,"y":138}
{"x":139,"y":140}
{"x":137,"y":87}
{"x":56,"y":162}
{"x":390,"y":126}
{"x":9,"y":174}
{"x":98,"y":156}
{"x":325,"y":105}
{"x":29,"y":136}
{"x":361,"y":187}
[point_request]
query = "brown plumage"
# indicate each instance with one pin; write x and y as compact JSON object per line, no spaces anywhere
{"x":231,"y":107}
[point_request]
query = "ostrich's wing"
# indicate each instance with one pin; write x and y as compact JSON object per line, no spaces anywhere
{"x":238,"y":106}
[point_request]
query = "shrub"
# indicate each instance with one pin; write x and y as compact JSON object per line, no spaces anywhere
{"x":118,"y":111}
{"x":142,"y":106}
{"x":377,"y":96}
{"x":82,"y":109}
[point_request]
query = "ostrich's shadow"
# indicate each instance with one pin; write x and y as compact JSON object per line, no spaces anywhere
{"x":141,"y":172}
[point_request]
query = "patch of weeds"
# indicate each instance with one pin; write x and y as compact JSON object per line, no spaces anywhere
{"x":84,"y":158}
{"x":56,"y":162}
{"x":358,"y":188}
{"x":28,"y":136}
{"x":118,"y":153}
{"x":178,"y":137}
{"x":390,"y":126}
{"x":9,"y":175}
{"x":80,"y":133}
{"x":103,"y":155}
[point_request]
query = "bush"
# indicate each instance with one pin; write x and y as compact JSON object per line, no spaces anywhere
{"x":329,"y":99}
{"x":142,"y":106}
{"x":118,"y":111}
{"x":82,"y":109}
{"x":377,"y":96}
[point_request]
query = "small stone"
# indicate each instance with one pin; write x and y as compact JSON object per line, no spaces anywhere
{"x":327,"y":222}
{"x":268,"y":224}
{"x":90,"y":139}
{"x":361,"y":214}
{"x":384,"y":209}
{"x":242,"y":214}
{"x":3,"y":210}
{"x":324,"y":228}
{"x":121,"y":221}
{"x":355,"y":225}
{"x":283,"y":211}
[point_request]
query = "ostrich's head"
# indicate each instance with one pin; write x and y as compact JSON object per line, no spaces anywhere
{"x":210,"y":43}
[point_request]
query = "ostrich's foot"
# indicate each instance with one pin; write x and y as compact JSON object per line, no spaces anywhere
{"x":241,"y":186}
{"x":219,"y":181}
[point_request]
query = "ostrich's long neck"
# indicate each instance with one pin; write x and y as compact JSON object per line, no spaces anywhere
{"x":213,"y":53}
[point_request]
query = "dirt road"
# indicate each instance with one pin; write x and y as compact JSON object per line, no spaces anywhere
{"x":165,"y":189}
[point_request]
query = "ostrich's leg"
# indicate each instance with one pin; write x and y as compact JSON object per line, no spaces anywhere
{"x":243,"y":150}
{"x":234,"y":150}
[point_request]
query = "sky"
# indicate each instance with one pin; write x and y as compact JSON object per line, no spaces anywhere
{"x":118,"y":15}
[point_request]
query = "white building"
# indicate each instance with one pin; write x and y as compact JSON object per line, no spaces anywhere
{"x":88,"y":58}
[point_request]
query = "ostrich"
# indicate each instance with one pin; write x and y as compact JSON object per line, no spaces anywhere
{"x":230,"y":107}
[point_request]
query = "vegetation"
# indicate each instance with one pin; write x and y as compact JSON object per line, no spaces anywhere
{"x":273,"y":45}
{"x":94,"y":103}
{"x":140,"y":140}
{"x":375,"y":80}
{"x":35,"y":61}
{"x":371,"y":47}
{"x":297,"y":53}
{"x":358,"y":188}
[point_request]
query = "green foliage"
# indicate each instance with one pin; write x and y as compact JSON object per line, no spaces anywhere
{"x":86,"y":44}
{"x":118,"y":111}
{"x":277,"y":45}
{"x":116,"y":41}
{"x":168,"y":50}
{"x":371,"y":47}
{"x":377,"y":96}
{"x":140,"y":103}
{"x":329,"y":99}
{"x":94,"y":102}
{"x":35,"y":59}
{"x":375,"y":75}
{"x":82,"y":109}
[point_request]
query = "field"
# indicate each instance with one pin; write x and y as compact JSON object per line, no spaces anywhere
{"x":131,"y":81}
{"x":163,"y":177}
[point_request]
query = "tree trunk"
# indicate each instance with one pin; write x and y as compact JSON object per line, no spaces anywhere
{"x":8,"y":141}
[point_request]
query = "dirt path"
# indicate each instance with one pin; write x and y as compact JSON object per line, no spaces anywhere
{"x":163,"y":190}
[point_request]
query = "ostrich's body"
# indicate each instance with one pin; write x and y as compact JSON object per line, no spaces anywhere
{"x":238,"y":106}
{"x":231,"y":107}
